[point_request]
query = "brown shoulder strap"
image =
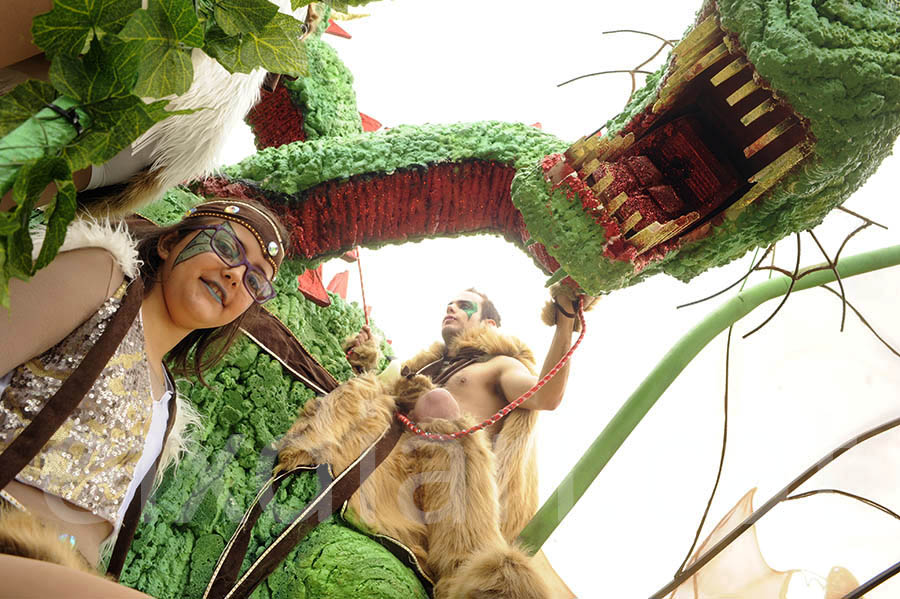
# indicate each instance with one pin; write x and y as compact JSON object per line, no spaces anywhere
{"x":59,"y":407}
{"x":224,"y":583}
{"x":267,"y":331}
{"x":136,"y":507}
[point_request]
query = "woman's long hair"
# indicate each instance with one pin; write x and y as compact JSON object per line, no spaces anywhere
{"x":201,"y":349}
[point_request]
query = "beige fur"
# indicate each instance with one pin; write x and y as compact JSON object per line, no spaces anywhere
{"x":456,"y":506}
{"x":23,"y":535}
{"x":550,"y":312}
{"x":364,"y":356}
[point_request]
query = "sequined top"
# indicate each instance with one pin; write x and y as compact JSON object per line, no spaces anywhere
{"x":90,"y":460}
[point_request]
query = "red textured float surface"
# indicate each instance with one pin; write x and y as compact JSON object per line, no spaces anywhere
{"x":441,"y":200}
{"x":310,"y":285}
{"x":276,"y":120}
{"x":339,"y":282}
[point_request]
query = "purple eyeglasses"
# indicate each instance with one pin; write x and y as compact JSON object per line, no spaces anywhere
{"x":230,"y":250}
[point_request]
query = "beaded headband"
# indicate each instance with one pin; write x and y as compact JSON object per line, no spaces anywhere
{"x":255,"y":220}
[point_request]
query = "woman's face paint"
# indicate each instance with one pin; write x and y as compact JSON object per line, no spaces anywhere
{"x":201,"y":243}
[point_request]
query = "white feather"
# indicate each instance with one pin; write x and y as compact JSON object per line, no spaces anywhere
{"x":188,"y":147}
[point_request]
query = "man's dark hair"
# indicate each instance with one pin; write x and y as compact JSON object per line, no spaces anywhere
{"x":488,"y":310}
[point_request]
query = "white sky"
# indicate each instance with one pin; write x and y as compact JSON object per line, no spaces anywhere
{"x":799,"y":387}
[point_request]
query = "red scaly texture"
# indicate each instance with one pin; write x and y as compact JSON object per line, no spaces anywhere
{"x":276,"y":120}
{"x":443,"y":199}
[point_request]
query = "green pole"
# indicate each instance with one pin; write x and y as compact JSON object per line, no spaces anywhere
{"x":570,"y":490}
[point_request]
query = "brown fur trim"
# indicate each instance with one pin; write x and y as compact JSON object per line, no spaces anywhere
{"x":336,"y":428}
{"x":486,"y":338}
{"x":363,"y":356}
{"x":145,"y":187}
{"x":495,"y":573}
{"x":23,"y":535}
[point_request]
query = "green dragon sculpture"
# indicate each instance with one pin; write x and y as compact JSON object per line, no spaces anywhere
{"x":767,"y":116}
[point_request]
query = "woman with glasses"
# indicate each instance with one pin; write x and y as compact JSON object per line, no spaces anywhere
{"x":199,"y":279}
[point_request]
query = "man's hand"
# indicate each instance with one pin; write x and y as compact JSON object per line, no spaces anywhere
{"x":362,"y":351}
{"x":364,"y":336}
{"x":567,"y":303}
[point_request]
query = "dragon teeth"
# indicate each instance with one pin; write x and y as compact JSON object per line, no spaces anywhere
{"x":732,"y":69}
{"x":616,"y":203}
{"x":763,"y":108}
{"x":742,"y":92}
{"x":768,"y":177}
{"x":698,"y":40}
{"x":631,"y":222}
{"x":769,"y":136}
{"x":600,"y":186}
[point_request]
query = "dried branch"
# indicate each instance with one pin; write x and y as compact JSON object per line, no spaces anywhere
{"x":784,"y":299}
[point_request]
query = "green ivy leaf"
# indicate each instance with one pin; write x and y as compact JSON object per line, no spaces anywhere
{"x":116,"y":123}
{"x":244,"y":16}
{"x":33,"y":177}
{"x":165,"y":29}
{"x":57,"y":216}
{"x":277,"y":48}
{"x":69,"y":27}
{"x":295,"y":4}
{"x":22,"y":102}
{"x":108,"y":70}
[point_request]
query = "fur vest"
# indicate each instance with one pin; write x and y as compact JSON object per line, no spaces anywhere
{"x":514,"y":446}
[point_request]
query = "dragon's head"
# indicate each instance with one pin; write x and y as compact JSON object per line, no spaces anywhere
{"x":768,"y":115}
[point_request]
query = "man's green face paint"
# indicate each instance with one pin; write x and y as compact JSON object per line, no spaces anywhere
{"x":470,"y":308}
{"x":199,"y":244}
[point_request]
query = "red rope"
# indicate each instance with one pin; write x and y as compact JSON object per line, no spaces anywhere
{"x":362,"y":287}
{"x":412,"y":426}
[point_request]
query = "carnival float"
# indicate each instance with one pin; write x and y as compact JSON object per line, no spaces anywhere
{"x":766,"y":117}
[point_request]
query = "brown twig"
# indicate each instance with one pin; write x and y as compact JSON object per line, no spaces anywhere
{"x":865,"y":322}
{"x":784,"y":299}
{"x":712,"y":495}
{"x":861,"y":217}
{"x":632,"y":72}
{"x":860,"y":498}
{"x":837,"y":275}
{"x":660,"y":38}
{"x":739,"y":281}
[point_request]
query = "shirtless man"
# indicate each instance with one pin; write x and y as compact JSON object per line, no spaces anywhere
{"x":458,"y":506}
{"x":484,"y":388}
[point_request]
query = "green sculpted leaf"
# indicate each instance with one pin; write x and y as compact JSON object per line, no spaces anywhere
{"x":108,"y":70}
{"x":277,"y":48}
{"x":244,"y":16}
{"x":166,"y":28}
{"x":21,"y":103}
{"x":117,"y":123}
{"x":68,"y":28}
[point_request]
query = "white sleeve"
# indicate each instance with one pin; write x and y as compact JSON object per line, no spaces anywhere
{"x":120,"y":167}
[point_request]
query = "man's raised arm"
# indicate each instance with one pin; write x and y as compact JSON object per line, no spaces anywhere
{"x":515,"y":378}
